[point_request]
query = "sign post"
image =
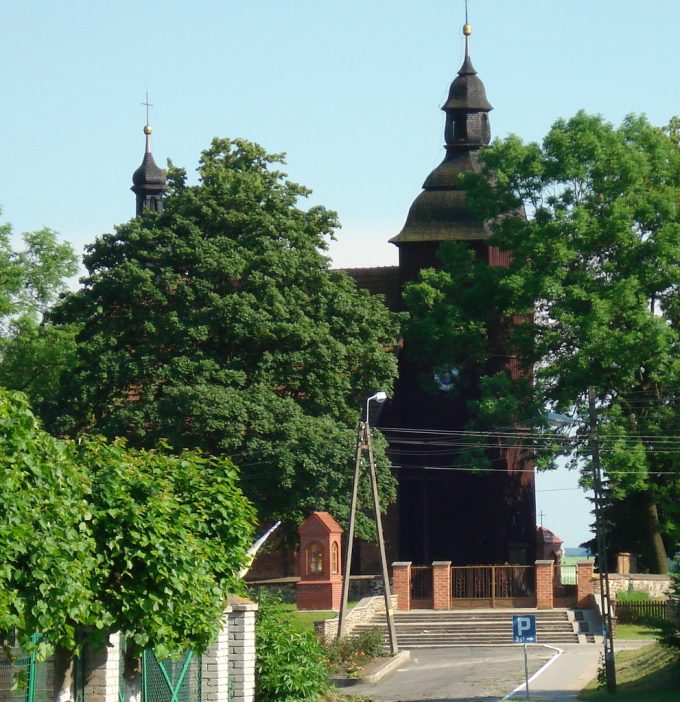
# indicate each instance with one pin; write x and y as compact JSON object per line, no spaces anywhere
{"x":524,"y":632}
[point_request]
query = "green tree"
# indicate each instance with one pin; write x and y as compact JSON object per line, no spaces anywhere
{"x":33,"y":353}
{"x":590,"y":298}
{"x":97,"y":538}
{"x":48,"y":558}
{"x":218,"y":325}
{"x":171,"y":535}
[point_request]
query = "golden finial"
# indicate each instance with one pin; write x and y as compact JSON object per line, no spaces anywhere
{"x":467,"y":29}
{"x":147,"y":129}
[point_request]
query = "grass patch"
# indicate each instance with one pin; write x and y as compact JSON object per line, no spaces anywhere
{"x":341,"y":697}
{"x":651,"y":673}
{"x":304,"y":621}
{"x":636,"y":632}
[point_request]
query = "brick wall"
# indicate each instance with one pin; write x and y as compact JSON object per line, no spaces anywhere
{"x":215,"y":667}
{"x":584,"y":585}
{"x":320,"y":594}
{"x":441,"y":584}
{"x":101,"y":674}
{"x":544,"y":584}
{"x":242,"y":650}
{"x":401,"y":584}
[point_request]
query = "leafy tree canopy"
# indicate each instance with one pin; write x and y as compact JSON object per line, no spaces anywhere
{"x":98,"y":537}
{"x":218,"y":325}
{"x":592,"y":218}
{"x":33,"y":354}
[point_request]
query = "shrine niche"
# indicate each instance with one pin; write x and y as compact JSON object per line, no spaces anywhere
{"x":320,"y":585}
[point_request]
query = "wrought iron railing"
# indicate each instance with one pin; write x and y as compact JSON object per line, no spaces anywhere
{"x":421,"y":582}
{"x":492,"y":582}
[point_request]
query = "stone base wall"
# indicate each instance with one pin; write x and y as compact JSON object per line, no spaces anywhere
{"x":367,"y":608}
{"x":653,"y":585}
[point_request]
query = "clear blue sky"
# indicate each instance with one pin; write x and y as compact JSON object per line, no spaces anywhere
{"x":350,"y":90}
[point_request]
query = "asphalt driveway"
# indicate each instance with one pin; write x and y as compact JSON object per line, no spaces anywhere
{"x":456,"y":674}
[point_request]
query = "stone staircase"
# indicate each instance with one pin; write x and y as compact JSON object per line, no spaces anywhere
{"x":427,"y":628}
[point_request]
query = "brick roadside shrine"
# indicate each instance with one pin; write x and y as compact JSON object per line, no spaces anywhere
{"x":320,"y":585}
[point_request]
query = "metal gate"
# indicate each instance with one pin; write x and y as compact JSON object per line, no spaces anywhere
{"x":493,"y":586}
{"x":168,"y":680}
{"x":22,"y":677}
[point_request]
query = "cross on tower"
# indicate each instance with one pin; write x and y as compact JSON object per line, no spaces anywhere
{"x":541,"y":514}
{"x":148,"y":105}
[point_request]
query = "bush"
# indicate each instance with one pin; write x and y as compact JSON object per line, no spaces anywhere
{"x":291,"y":666}
{"x":671,"y":634}
{"x":349,"y":655}
{"x":632,"y":596}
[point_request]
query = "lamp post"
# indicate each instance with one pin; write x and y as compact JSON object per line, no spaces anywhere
{"x":365,"y":444}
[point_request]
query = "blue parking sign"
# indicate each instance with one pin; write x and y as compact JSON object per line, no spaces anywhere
{"x":524,"y":628}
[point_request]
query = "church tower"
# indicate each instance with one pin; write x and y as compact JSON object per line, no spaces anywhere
{"x":148,"y":181}
{"x":444,"y":513}
{"x":441,"y":213}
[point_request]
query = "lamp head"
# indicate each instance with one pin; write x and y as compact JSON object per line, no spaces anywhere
{"x":379,"y":397}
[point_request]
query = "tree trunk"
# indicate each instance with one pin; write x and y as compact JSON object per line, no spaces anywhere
{"x":132,"y":672}
{"x":658,"y":550}
{"x":63,"y":675}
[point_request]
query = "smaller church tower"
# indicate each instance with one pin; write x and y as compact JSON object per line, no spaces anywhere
{"x":149,"y":181}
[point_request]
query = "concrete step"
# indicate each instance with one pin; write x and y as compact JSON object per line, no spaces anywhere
{"x":437,"y":628}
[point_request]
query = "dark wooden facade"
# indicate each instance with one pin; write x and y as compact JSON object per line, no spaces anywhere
{"x":444,"y":514}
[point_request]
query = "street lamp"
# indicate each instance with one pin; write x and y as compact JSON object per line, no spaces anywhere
{"x":364,"y":443}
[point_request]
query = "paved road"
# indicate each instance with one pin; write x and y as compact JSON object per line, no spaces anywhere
{"x":448,"y":674}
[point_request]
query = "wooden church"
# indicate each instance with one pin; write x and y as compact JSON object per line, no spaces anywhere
{"x":444,"y":514}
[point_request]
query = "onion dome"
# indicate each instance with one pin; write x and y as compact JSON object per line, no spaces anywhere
{"x":148,"y":181}
{"x":441,"y":212}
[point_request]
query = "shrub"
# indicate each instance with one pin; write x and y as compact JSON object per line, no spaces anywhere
{"x":671,"y":633}
{"x":291,"y":666}
{"x":350,"y":655}
{"x":632,"y":596}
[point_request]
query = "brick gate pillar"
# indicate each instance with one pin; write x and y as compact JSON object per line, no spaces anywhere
{"x":545,"y":574}
{"x":101,"y":674}
{"x":401,"y":584}
{"x":441,"y":584}
{"x":585,"y":592}
{"x":242,"y":648}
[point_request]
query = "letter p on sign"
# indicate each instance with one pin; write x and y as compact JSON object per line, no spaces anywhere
{"x":524,"y":628}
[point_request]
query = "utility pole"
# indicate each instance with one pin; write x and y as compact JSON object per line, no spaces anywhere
{"x":605,"y":600}
{"x":365,"y":445}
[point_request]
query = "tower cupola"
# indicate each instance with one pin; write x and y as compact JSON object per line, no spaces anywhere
{"x":148,"y":181}
{"x":441,"y":212}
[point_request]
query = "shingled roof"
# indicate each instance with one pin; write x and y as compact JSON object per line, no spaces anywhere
{"x":381,"y":280}
{"x":441,"y":212}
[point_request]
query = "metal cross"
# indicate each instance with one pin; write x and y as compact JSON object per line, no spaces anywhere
{"x":148,"y":105}
{"x":541,"y":515}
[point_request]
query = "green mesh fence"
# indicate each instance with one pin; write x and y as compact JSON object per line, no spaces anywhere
{"x":168,"y":680}
{"x":22,"y":678}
